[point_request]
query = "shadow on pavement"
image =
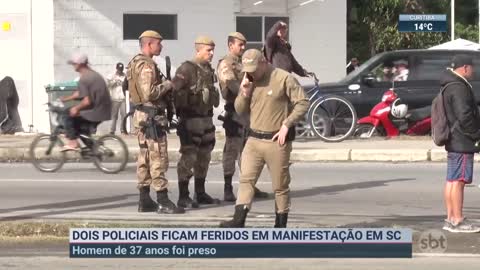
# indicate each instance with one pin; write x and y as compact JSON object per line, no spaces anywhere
{"x":339,"y":188}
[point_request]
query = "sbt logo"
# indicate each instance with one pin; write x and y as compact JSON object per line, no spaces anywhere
{"x":432,"y":241}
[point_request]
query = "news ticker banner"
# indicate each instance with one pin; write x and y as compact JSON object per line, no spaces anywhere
{"x":422,"y":23}
{"x":240,"y":243}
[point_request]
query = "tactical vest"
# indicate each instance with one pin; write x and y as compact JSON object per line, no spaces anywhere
{"x":136,"y":96}
{"x":202,"y":95}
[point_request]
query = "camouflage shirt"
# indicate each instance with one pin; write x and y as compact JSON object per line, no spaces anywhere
{"x":229,"y":73}
{"x":151,"y":88}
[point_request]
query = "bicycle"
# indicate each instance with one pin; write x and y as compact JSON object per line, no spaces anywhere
{"x":303,"y":128}
{"x":109,"y":153}
{"x":330,"y":117}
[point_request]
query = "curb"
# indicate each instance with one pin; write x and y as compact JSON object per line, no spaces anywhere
{"x":297,"y":155}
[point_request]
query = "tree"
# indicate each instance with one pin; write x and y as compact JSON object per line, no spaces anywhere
{"x":380,"y":21}
{"x":468,"y":32}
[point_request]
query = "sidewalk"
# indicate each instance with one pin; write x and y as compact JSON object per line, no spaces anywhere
{"x":402,"y":149}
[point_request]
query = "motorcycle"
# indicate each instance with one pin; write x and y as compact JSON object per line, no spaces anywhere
{"x":390,"y":118}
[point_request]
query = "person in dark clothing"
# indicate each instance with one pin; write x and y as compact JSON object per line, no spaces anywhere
{"x":279,"y":52}
{"x":354,"y":64}
{"x":464,"y":121}
{"x":10,"y":121}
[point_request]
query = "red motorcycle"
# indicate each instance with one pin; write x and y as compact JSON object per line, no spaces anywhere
{"x":389,"y":118}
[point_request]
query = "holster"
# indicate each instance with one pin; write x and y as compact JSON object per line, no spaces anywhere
{"x":182,"y":133}
{"x":232,"y":128}
{"x":156,"y":124}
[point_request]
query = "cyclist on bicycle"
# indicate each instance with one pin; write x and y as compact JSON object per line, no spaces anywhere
{"x":95,"y":104}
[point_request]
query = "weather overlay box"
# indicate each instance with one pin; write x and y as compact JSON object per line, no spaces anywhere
{"x":240,"y":243}
{"x":422,"y":23}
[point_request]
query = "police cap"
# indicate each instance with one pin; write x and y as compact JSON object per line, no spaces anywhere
{"x":204,"y":40}
{"x":238,"y":36}
{"x":151,"y":34}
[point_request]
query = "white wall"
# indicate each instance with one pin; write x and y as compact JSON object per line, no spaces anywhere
{"x":42,"y":58}
{"x":95,"y":27}
{"x":16,"y":50}
{"x":266,"y":7}
{"x":318,"y":32}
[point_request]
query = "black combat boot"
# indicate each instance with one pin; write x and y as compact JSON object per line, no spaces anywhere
{"x":228,"y":195}
{"x":281,"y":220}
{"x":146,"y":204}
{"x":239,"y":218}
{"x":184,"y":199}
{"x":200,"y":195}
{"x":260,"y":194}
{"x":165,"y":206}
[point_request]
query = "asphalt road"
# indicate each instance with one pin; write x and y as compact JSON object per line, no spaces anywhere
{"x":323,"y":195}
{"x":61,"y":263}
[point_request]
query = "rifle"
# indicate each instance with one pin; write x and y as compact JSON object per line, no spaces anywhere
{"x":170,"y":100}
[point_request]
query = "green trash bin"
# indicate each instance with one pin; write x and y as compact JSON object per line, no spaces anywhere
{"x":57,"y":90}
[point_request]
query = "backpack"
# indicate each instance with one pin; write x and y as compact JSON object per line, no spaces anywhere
{"x":441,"y":130}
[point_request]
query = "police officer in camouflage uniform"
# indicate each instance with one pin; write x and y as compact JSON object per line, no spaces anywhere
{"x":195,"y":97}
{"x":229,"y":72}
{"x":149,"y":92}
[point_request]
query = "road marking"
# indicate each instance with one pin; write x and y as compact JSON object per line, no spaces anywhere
{"x":450,"y":255}
{"x":99,"y":181}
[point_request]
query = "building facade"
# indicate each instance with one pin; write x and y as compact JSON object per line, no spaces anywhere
{"x":37,"y":37}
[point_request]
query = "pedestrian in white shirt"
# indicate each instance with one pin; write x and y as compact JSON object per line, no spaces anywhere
{"x":114,"y":83}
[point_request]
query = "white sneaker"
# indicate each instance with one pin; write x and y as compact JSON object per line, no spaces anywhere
{"x":465,"y":226}
{"x":447,"y":225}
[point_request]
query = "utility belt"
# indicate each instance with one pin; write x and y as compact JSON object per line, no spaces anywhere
{"x":156,"y":124}
{"x":192,"y":114}
{"x":269,"y":135}
{"x":193,"y":138}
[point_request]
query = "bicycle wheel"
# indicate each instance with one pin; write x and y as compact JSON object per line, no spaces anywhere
{"x":303,"y":130}
{"x":45,"y":153}
{"x":124,"y":127}
{"x":332,"y":118}
{"x":110,"y":154}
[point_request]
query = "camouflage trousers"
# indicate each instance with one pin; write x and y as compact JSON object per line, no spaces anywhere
{"x":232,"y":153}
{"x":197,"y":140}
{"x":152,"y":162}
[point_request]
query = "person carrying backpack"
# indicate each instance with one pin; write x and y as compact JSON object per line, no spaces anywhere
{"x":456,"y":125}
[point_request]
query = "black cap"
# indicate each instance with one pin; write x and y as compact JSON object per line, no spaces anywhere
{"x":461,"y":60}
{"x":119,"y":66}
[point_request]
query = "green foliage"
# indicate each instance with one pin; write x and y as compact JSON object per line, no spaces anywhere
{"x":376,"y":27}
{"x":468,"y":32}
